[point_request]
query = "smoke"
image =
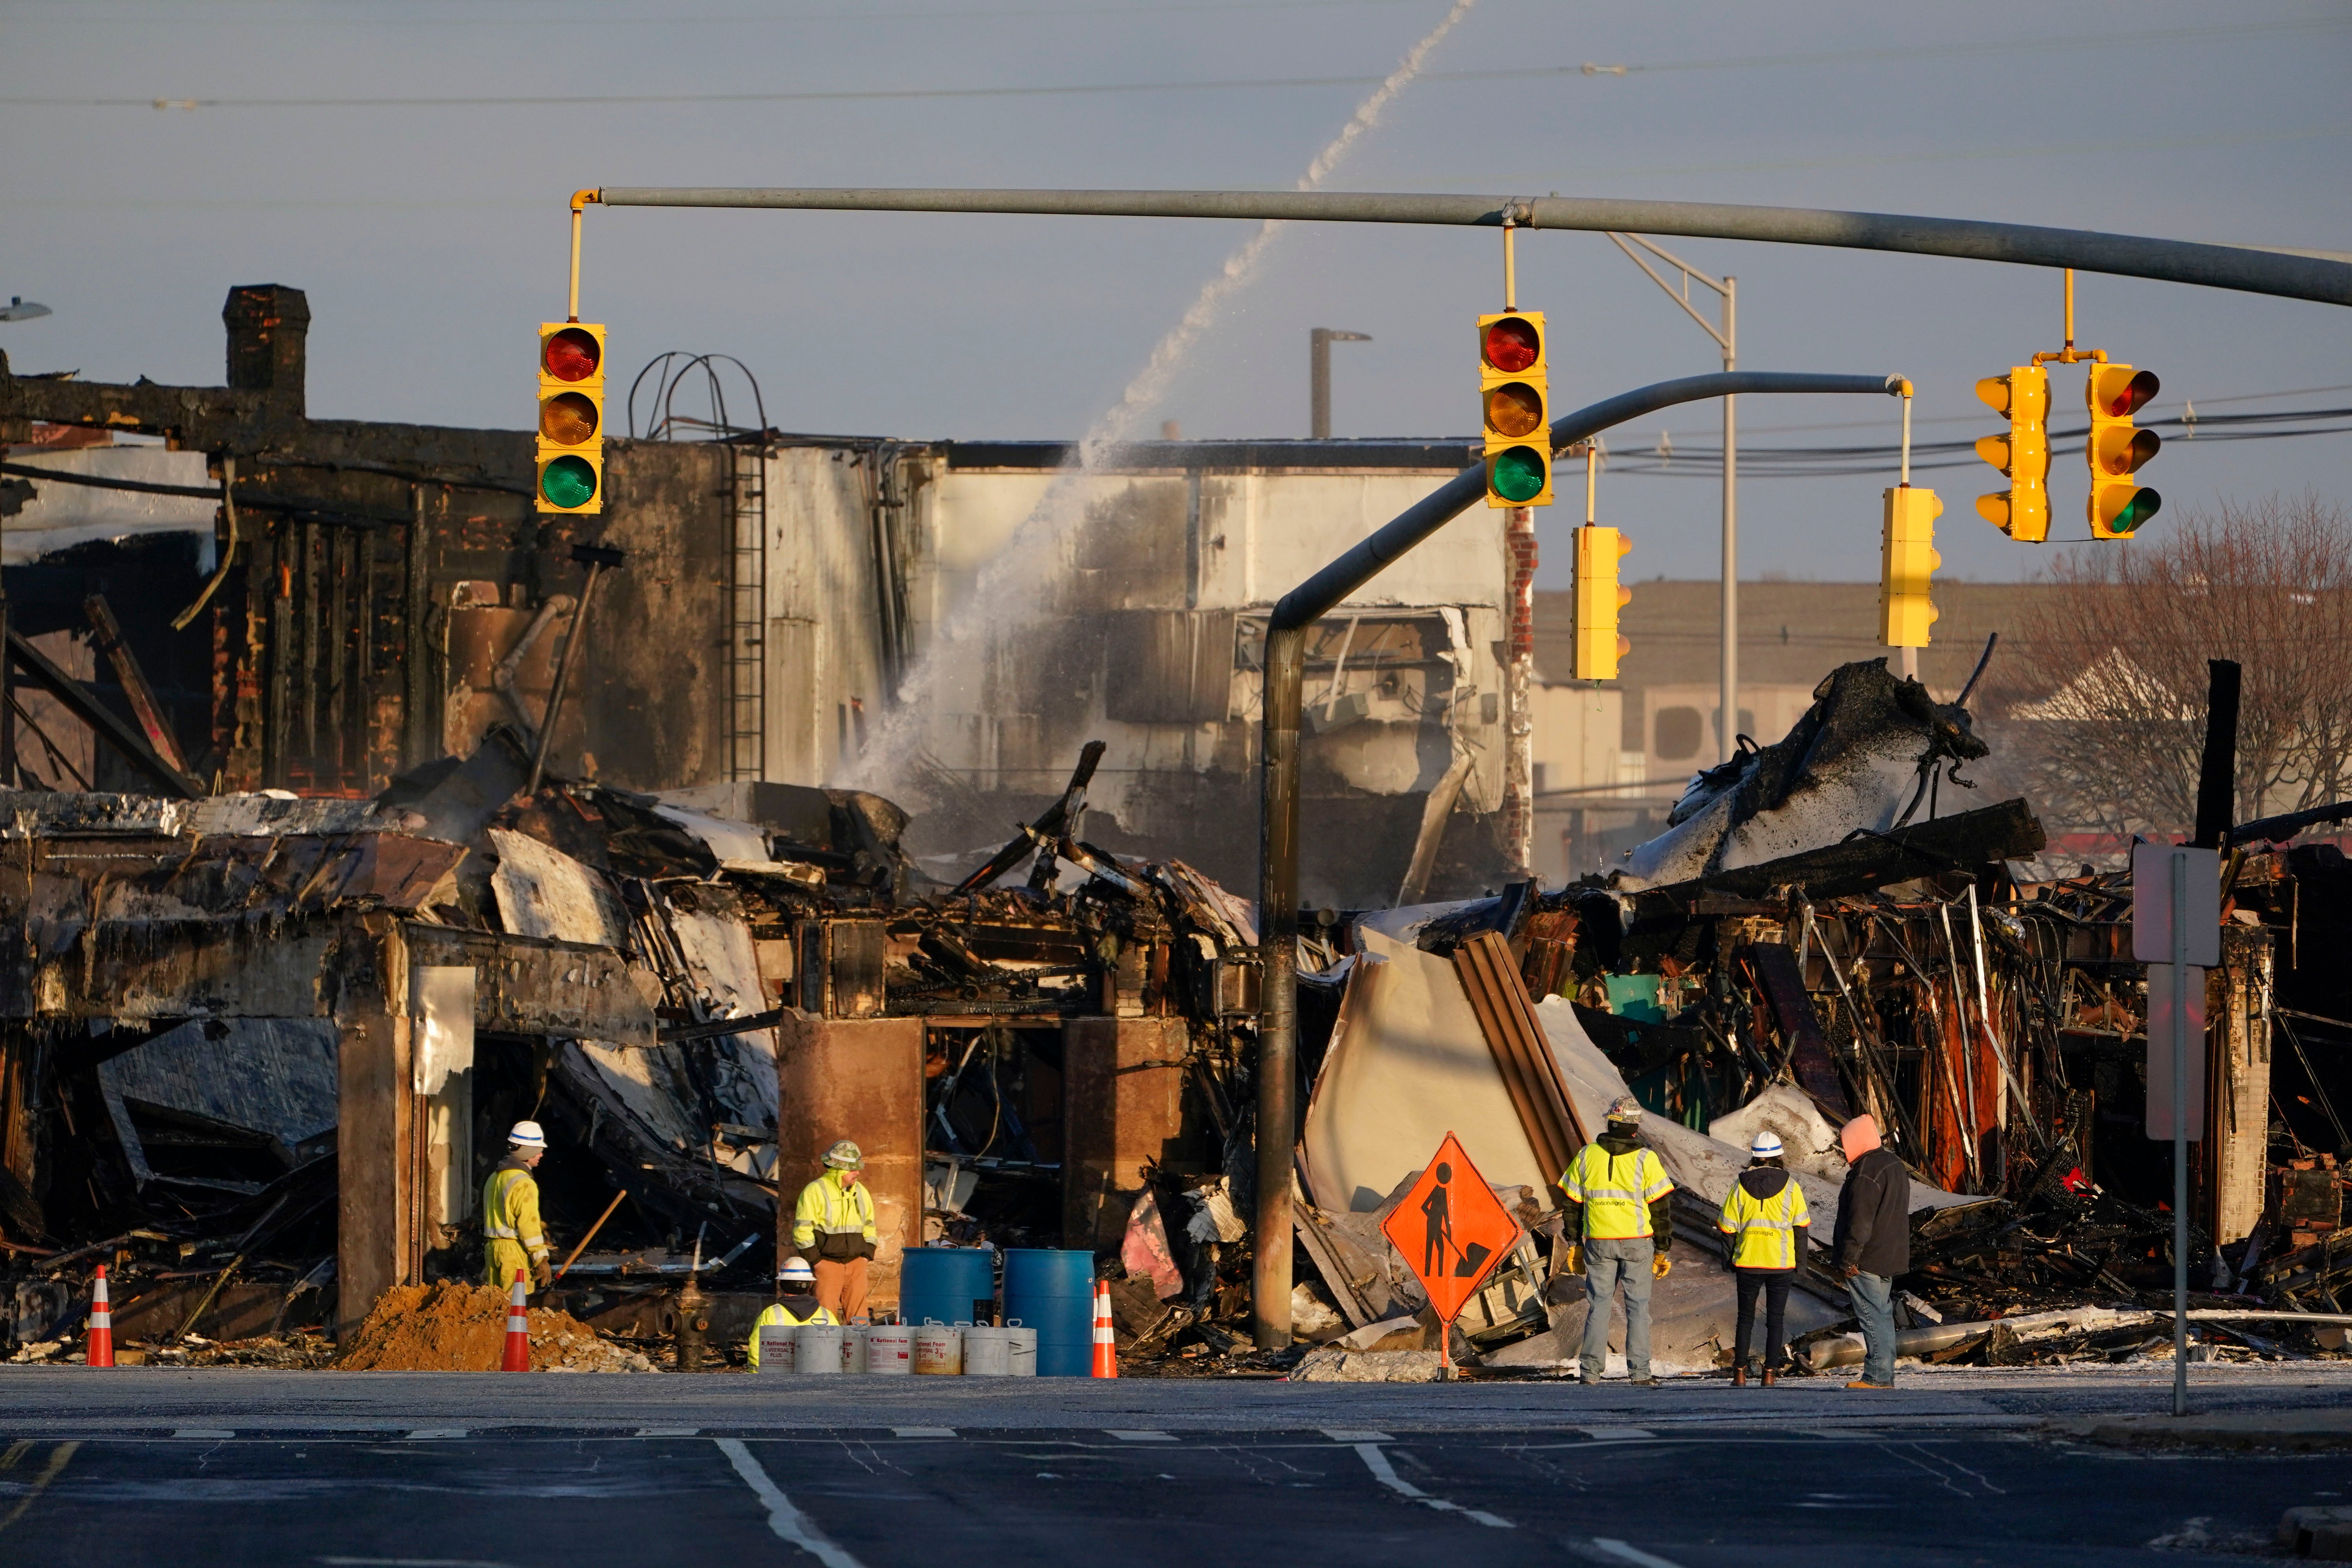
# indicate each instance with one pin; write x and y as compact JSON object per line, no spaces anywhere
{"x":1016,"y":587}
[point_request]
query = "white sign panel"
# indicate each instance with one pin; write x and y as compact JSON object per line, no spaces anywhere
{"x":2154,"y":867}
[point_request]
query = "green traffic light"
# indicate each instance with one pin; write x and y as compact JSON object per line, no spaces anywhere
{"x":568,"y":482}
{"x":2143,"y":505}
{"x":1518,"y":475}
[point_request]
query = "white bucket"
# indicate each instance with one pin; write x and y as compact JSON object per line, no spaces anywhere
{"x":816,"y":1349}
{"x":891,"y":1350}
{"x":987,"y":1352}
{"x":853,"y":1346}
{"x":938,"y":1349}
{"x":1022,"y":1350}
{"x":776,"y":1346}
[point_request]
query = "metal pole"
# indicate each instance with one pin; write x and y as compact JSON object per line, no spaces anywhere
{"x":1278,"y":1035}
{"x":1283,"y":698}
{"x":1729,"y":694}
{"x":7,"y":702}
{"x":596,"y":558}
{"x":2241,"y":267}
{"x":2179,"y":864}
{"x":1319,"y":341}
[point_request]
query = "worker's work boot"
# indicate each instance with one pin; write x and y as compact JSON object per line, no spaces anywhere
{"x":1739,"y":1376}
{"x":1770,"y":1377}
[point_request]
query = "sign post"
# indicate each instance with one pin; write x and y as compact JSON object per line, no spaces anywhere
{"x":1451,"y":1230}
{"x":2176,"y":932}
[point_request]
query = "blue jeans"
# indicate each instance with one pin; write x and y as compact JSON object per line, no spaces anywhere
{"x":1873,"y":1304}
{"x":1605,"y":1263}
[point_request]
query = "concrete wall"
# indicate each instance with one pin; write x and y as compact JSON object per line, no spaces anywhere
{"x":860,"y":1078}
{"x":1123,"y":1091}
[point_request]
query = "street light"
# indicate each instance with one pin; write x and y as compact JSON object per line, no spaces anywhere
{"x":1726,"y":338}
{"x":1319,"y":341}
{"x":22,"y":309}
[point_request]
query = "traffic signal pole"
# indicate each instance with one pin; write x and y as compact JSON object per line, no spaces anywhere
{"x":1281,"y":702}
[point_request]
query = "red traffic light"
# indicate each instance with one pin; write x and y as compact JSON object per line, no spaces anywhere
{"x":2118,"y":395}
{"x":572,"y":355}
{"x":1513,"y":344}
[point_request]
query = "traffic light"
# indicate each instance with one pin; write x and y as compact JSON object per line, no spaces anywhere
{"x":571,"y":441}
{"x":1598,"y":600}
{"x":1908,"y":563}
{"x":2022,"y":510}
{"x":1514,"y":408}
{"x":2115,"y":450}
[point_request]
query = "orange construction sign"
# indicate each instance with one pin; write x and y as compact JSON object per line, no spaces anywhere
{"x":1450,"y":1229}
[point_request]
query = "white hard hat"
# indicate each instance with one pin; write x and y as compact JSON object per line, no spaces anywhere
{"x":1767,"y":1145}
{"x":796,"y":1270}
{"x":527,"y":1135}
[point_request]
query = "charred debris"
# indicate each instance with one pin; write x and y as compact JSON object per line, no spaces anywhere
{"x":234,"y":1069}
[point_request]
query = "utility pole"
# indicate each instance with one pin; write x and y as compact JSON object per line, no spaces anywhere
{"x":1319,"y":341}
{"x":1727,"y":339}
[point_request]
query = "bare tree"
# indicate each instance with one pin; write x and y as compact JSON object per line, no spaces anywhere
{"x":2103,"y":722}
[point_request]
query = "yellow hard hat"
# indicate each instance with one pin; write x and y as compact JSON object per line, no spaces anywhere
{"x":844,"y":1156}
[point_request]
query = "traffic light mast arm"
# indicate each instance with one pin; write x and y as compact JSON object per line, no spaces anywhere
{"x":2023,"y":244}
{"x":2070,"y":354}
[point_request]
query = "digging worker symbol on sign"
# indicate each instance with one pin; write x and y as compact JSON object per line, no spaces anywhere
{"x":1437,"y":1239}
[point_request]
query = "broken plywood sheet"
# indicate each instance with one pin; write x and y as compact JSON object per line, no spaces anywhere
{"x":544,"y":893}
{"x":1408,"y":1064}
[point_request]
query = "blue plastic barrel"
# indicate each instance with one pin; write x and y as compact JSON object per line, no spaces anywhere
{"x":1053,"y":1292}
{"x":946,"y":1284}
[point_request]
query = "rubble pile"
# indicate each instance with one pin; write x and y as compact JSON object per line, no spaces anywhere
{"x":450,"y":1327}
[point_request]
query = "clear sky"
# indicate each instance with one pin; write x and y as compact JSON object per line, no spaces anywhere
{"x":431,"y":236}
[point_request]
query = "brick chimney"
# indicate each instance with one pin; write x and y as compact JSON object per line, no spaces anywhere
{"x":268,"y":326}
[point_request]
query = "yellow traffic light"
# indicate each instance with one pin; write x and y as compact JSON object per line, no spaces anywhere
{"x":2022,"y":510}
{"x":1908,"y":563}
{"x":2115,"y":450}
{"x":569,"y":444}
{"x":1598,"y":599}
{"x":1514,"y":408}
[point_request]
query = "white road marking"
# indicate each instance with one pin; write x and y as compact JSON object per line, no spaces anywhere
{"x":411,"y":1562}
{"x":1140,"y":1437}
{"x":790,"y":1525}
{"x":922,"y":1431}
{"x":1625,"y":1554}
{"x":201,"y":1432}
{"x":1376,"y":1460}
{"x":667,"y":1431}
{"x":1345,"y":1434}
{"x":421,"y":1434}
{"x":1617,"y":1434}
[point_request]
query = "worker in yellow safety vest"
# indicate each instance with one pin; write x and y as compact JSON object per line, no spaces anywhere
{"x":512,"y":1238}
{"x":1766,"y":1222}
{"x":796,"y":1303}
{"x":833,"y":1226}
{"x":1619,"y":1195}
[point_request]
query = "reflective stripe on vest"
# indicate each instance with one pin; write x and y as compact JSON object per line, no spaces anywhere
{"x":1616,"y":1190}
{"x":849,"y":1210}
{"x":1766,"y":1227}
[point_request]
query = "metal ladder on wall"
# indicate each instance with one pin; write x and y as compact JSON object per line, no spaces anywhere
{"x":746,"y":609}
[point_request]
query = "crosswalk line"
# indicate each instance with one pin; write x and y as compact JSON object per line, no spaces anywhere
{"x":1140,"y":1437}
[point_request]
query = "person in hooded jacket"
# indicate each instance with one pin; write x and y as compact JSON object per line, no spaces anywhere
{"x":1765,"y":1222}
{"x":1874,"y":1243}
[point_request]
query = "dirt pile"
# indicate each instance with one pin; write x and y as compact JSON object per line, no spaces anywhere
{"x":451,"y":1327}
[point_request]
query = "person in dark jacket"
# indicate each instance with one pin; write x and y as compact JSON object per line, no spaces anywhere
{"x":1874,"y":1243}
{"x":1764,"y":1224}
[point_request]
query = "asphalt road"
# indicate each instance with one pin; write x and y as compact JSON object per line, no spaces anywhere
{"x":412,"y":1471}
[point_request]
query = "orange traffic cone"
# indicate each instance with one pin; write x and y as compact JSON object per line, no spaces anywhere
{"x":100,"y":1346}
{"x":518,"y":1356}
{"x":1105,"y":1346}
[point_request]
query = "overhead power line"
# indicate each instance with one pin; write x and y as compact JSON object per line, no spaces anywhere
{"x":1831,"y":462}
{"x":1587,"y":68}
